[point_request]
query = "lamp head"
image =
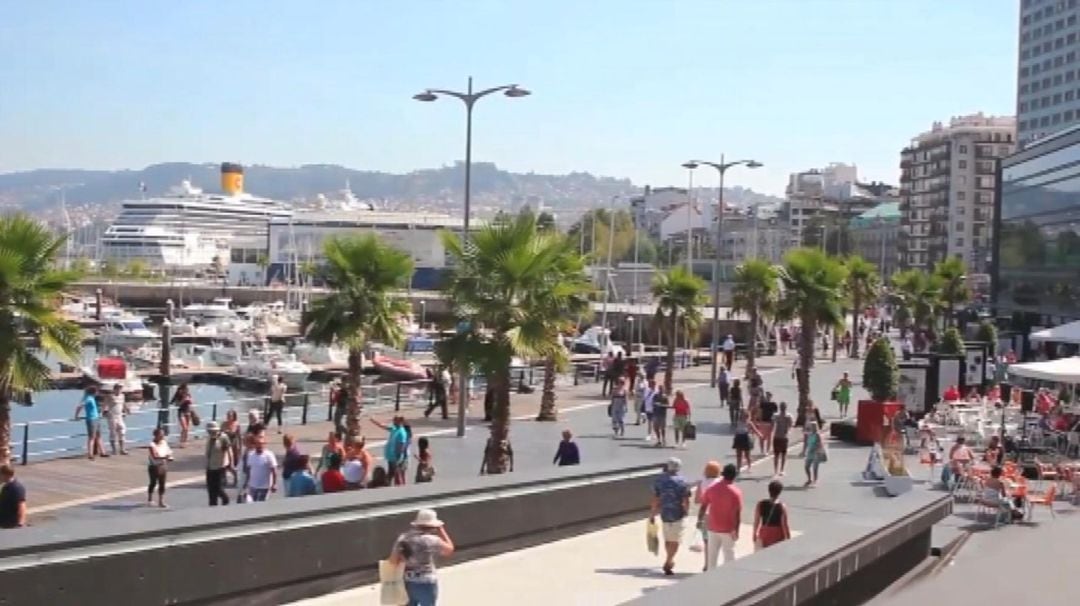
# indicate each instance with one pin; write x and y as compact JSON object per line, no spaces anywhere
{"x":426,"y":96}
{"x":690,"y":165}
{"x":515,"y":92}
{"x":754,"y":164}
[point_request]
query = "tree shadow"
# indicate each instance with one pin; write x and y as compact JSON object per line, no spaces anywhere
{"x":644,"y":573}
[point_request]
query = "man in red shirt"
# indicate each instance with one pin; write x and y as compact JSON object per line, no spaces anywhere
{"x":721,"y":505}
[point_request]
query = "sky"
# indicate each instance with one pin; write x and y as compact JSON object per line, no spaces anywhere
{"x":622,"y":88}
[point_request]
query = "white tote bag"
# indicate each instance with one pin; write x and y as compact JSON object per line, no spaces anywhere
{"x":392,"y":584}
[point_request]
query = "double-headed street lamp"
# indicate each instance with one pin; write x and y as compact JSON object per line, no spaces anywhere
{"x":721,"y":167}
{"x":469,"y":98}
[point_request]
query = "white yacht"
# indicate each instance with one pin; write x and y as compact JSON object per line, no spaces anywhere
{"x":265,"y":364}
{"x":126,"y":332}
{"x":596,"y":340}
{"x":310,"y":353}
{"x":188,"y":228}
{"x":218,"y":309}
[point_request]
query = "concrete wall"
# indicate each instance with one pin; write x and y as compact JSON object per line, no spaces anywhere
{"x":291,"y":549}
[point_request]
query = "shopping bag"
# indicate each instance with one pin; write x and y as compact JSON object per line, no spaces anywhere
{"x":697,"y":543}
{"x":652,"y":537}
{"x":690,"y":431}
{"x":392,"y":584}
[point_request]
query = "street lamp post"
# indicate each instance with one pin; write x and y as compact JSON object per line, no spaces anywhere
{"x":423,"y":313}
{"x":721,"y":168}
{"x":690,"y":166}
{"x":469,"y":98}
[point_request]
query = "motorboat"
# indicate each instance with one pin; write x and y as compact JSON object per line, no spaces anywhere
{"x":126,"y":332}
{"x":109,"y":371}
{"x":397,"y":368}
{"x":266,"y":364}
{"x":148,"y":356}
{"x":420,"y":348}
{"x":219,"y":308}
{"x":84,"y":309}
{"x":190,"y":327}
{"x":232,"y":348}
{"x":596,"y":340}
{"x":310,"y":353}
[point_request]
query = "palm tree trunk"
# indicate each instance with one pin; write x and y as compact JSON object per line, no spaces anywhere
{"x":354,"y":396}
{"x":751,"y":352}
{"x":672,"y":341}
{"x":548,"y":411}
{"x":498,"y":455}
{"x":5,"y":429}
{"x":857,"y":303}
{"x":807,"y":337}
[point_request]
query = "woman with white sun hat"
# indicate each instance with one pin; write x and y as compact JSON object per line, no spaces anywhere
{"x":417,"y":549}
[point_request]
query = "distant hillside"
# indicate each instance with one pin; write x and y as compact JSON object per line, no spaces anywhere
{"x":37,"y":190}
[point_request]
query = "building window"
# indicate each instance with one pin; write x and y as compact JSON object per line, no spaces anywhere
{"x":1068,"y":115}
{"x":1057,"y":79}
{"x":1071,"y":38}
{"x":1024,"y":72}
{"x":959,"y":226}
{"x":961,"y":195}
{"x":1057,"y":98}
{"x":1045,"y":101}
{"x":1059,"y":44}
{"x":1056,"y":119}
{"x":959,"y":241}
{"x":1071,"y":20}
{"x":1069,"y":95}
{"x":1023,"y":89}
{"x":1070,"y":56}
{"x":1070,"y":76}
{"x":1046,"y":82}
{"x":1035,"y":86}
{"x":963,"y":149}
{"x":1023,"y":108}
{"x":1059,"y":61}
{"x":962,"y":164}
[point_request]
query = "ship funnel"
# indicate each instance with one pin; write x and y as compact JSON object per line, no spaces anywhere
{"x":232,"y":178}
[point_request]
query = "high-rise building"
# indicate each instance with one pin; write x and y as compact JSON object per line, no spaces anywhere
{"x":947,"y":189}
{"x":1048,"y":71}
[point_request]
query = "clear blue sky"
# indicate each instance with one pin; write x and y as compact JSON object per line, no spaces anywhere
{"x":627,"y":88}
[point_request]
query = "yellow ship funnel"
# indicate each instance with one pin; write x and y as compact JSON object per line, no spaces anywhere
{"x":232,"y":178}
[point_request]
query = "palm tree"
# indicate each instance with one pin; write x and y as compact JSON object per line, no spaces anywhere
{"x":564,"y":300}
{"x":951,"y":273}
{"x":862,"y":287}
{"x":918,"y":294}
{"x":813,"y":285}
{"x":30,"y":287}
{"x":364,"y":274}
{"x":755,"y":292}
{"x":499,"y":278}
{"x":679,"y":296}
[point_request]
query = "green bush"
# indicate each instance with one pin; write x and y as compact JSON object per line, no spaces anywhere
{"x":988,"y":332}
{"x":951,"y":343}
{"x":880,"y":373}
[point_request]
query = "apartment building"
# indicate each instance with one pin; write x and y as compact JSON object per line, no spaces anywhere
{"x":947,"y":190}
{"x":1048,"y":68}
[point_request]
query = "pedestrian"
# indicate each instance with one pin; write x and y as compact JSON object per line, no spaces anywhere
{"x":631,"y":373}
{"x":723,"y":379}
{"x":12,"y":499}
{"x":734,"y":401}
{"x":815,"y":453}
{"x":353,"y":470}
{"x":711,"y":476}
{"x":660,"y":407}
{"x":781,"y":429}
{"x":184,"y":404}
{"x":158,"y":456}
{"x":301,"y":482}
{"x":395,"y":451}
{"x":379,"y":478}
{"x":771,"y":519}
{"x":618,"y":406}
{"x":262,"y":469}
{"x":231,"y":430}
{"x":290,"y":461}
{"x":643,"y":403}
{"x":278,"y":388}
{"x":333,"y":446}
{"x":617,"y":370}
{"x":497,"y":449}
{"x":92,"y":412}
{"x":743,"y":443}
{"x":729,"y":352}
{"x":843,"y":394}
{"x":440,"y":385}
{"x":333,"y":480}
{"x":218,"y":459}
{"x":907,"y":348}
{"x":785,"y":340}
{"x":425,"y":462}
{"x":847,"y":342}
{"x":766,"y":414}
{"x":721,"y":505}
{"x":681,"y":408}
{"x":417,"y":550}
{"x":117,"y":428}
{"x":605,"y":373}
{"x":365,"y":458}
{"x":340,"y":406}
{"x":651,"y":368}
{"x":567,"y":453}
{"x":671,"y":500}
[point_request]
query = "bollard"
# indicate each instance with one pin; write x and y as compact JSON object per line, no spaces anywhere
{"x":25,"y":443}
{"x":303,"y":414}
{"x":213,"y":412}
{"x":98,"y":301}
{"x":170,"y":310}
{"x":577,"y":374}
{"x":397,"y":397}
{"x":163,"y":410}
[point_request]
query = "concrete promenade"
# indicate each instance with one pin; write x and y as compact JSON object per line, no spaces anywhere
{"x":78,"y":488}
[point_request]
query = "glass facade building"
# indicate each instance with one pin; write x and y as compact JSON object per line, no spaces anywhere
{"x":1037,"y":256}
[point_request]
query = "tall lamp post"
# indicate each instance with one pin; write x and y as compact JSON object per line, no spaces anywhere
{"x":690,"y":166}
{"x":721,"y":168}
{"x":469,"y":98}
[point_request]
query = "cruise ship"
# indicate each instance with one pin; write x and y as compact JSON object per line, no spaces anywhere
{"x":188,"y":228}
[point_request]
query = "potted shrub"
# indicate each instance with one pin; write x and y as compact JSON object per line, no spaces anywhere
{"x":952,"y":344}
{"x":881,"y":377}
